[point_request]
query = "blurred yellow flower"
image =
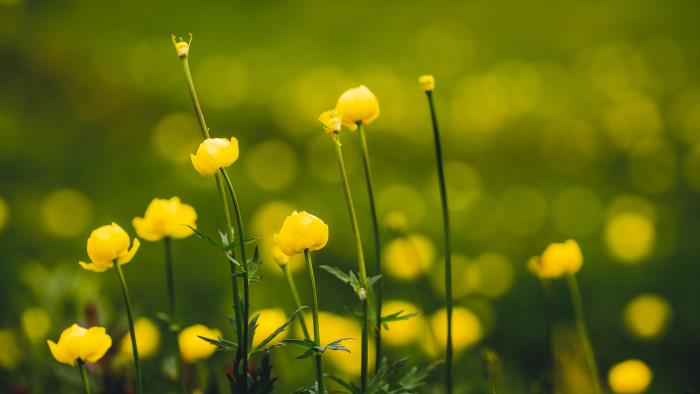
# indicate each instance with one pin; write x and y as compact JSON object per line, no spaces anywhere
{"x":629,"y":377}
{"x":194,"y":348}
{"x":147,"y":337}
{"x":409,"y":256}
{"x":270,"y":319}
{"x":301,"y":231}
{"x":166,"y":218}
{"x":357,"y":105}
{"x":402,"y":332}
{"x":213,"y":154}
{"x":558,"y":259}
{"x":332,"y":120}
{"x":35,"y":324}
{"x":427,"y":82}
{"x":647,"y":316}
{"x":78,"y":343}
{"x":630,"y":236}
{"x":107,"y":246}
{"x":396,"y":221}
{"x":466,"y":330}
{"x":280,"y":258}
{"x":9,"y":351}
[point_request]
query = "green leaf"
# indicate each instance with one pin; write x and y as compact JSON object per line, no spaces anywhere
{"x":203,"y":236}
{"x":279,"y":330}
{"x":342,"y":276}
{"x":396,"y":317}
{"x":221,"y":344}
{"x":335,"y":345}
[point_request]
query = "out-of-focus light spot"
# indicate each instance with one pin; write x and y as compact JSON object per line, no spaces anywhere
{"x":691,"y":167}
{"x":478,"y":221}
{"x":437,"y":275}
{"x":9,"y":135}
{"x":647,"y":316}
{"x":270,"y":319}
{"x":633,"y":120}
{"x":447,"y":40}
{"x":35,"y":324}
{"x":409,"y":256}
{"x":402,"y":332}
{"x":9,"y":350}
{"x":666,"y":63}
{"x":522,"y":210}
{"x":630,"y":236}
{"x":403,"y":198}
{"x":480,"y":105}
{"x":577,"y":212}
{"x":629,"y":377}
{"x":490,"y":275}
{"x":66,"y":212}
{"x":147,"y":337}
{"x":463,"y":187}
{"x":684,"y":115}
{"x":146,"y":65}
{"x":321,"y":158}
{"x":569,"y":144}
{"x":467,"y":330}
{"x":272,"y":164}
{"x":616,"y":70}
{"x":266,"y":221}
{"x":4,"y":214}
{"x":175,"y":136}
{"x":396,"y":221}
{"x":652,"y":165}
{"x":223,"y":80}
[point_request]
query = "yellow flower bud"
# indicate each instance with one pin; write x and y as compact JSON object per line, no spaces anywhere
{"x":558,"y":259}
{"x":301,"y":231}
{"x":147,"y":337}
{"x":166,"y":218}
{"x":357,"y":105}
{"x":213,"y":154}
{"x":194,"y":348}
{"x":281,"y":258}
{"x":182,"y":47}
{"x":332,"y":120}
{"x":427,"y":82}
{"x":629,"y":377}
{"x":35,"y":324}
{"x":107,"y":246}
{"x":78,"y":343}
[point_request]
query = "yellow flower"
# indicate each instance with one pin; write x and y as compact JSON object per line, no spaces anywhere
{"x":629,"y":377}
{"x":402,"y":332}
{"x":281,"y":258}
{"x":300,"y":231}
{"x":427,"y":83}
{"x":647,"y":316}
{"x":269,"y":320}
{"x":166,"y":218}
{"x":9,"y":350}
{"x":213,"y":154}
{"x":409,"y":256}
{"x":558,"y":259}
{"x":332,"y":120}
{"x":194,"y":348}
{"x":182,"y":47}
{"x":35,"y":324}
{"x":358,"y":105}
{"x":147,"y":337}
{"x":108,"y":245}
{"x":78,"y":343}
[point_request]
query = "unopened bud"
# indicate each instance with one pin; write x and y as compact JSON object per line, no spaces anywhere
{"x":427,"y":82}
{"x":362,"y":294}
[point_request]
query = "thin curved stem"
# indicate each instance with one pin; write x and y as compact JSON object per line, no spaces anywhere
{"x":195,"y":99}
{"x":132,"y":331}
{"x":295,"y":296}
{"x":84,"y":376}
{"x":577,"y":301}
{"x":317,"y":328}
{"x":174,"y":323}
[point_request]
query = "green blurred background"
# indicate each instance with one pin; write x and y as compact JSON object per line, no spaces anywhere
{"x":560,"y":120}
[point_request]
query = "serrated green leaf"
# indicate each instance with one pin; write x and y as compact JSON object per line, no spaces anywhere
{"x":279,"y":330}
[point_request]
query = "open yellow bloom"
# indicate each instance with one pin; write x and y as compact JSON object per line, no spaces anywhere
{"x":194,"y":348}
{"x":147,"y":337}
{"x":629,"y":377}
{"x":166,"y":218}
{"x":300,"y":231}
{"x":357,"y":105}
{"x":35,"y":324}
{"x":213,"y":154}
{"x":558,"y":259}
{"x":78,"y":343}
{"x":281,"y":258}
{"x":427,"y":82}
{"x":107,"y":246}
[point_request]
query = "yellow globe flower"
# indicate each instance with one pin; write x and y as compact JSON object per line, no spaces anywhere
{"x":147,"y":337}
{"x":166,"y":218}
{"x":427,"y":83}
{"x":213,"y":154}
{"x":300,"y":231}
{"x":466,"y":330}
{"x":558,"y":259}
{"x":357,"y":105}
{"x":280,"y":258}
{"x":9,"y":350}
{"x":409,"y":256}
{"x":629,"y":377}
{"x":194,"y":348}
{"x":402,"y":332}
{"x":647,"y":316}
{"x":77,"y":343}
{"x":269,"y":320}
{"x":35,"y":324}
{"x":107,"y":246}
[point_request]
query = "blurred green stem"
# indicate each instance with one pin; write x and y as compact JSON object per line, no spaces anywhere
{"x":577,"y":301}
{"x":377,"y":247}
{"x":317,"y":329}
{"x":173,"y":323}
{"x":195,"y":100}
{"x":297,"y":299}
{"x":360,"y":262}
{"x":448,"y":247}
{"x":132,"y":331}
{"x":84,"y":376}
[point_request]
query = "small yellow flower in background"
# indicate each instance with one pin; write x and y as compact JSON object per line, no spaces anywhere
{"x":396,"y":221}
{"x":213,"y":154}
{"x":357,"y":105}
{"x":402,"y":332}
{"x":78,"y":343}
{"x":194,"y":348}
{"x":35,"y":324}
{"x":300,"y":231}
{"x":147,"y":338}
{"x":108,"y":245}
{"x":332,"y":120}
{"x":629,"y":377}
{"x":166,"y":218}
{"x":9,"y":350}
{"x":558,"y":259}
{"x":466,"y":330}
{"x":409,"y":256}
{"x":427,"y":82}
{"x":647,"y":316}
{"x":269,"y":320}
{"x":280,"y":258}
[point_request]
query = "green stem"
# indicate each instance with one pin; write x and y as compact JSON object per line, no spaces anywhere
{"x":577,"y":302}
{"x":360,"y":262}
{"x":549,"y":311}
{"x":244,"y":264}
{"x":317,"y":329}
{"x":195,"y":100}
{"x":377,"y":248}
{"x":84,"y":376}
{"x":448,"y":248}
{"x":173,"y":324}
{"x":132,"y":331}
{"x":297,"y":299}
